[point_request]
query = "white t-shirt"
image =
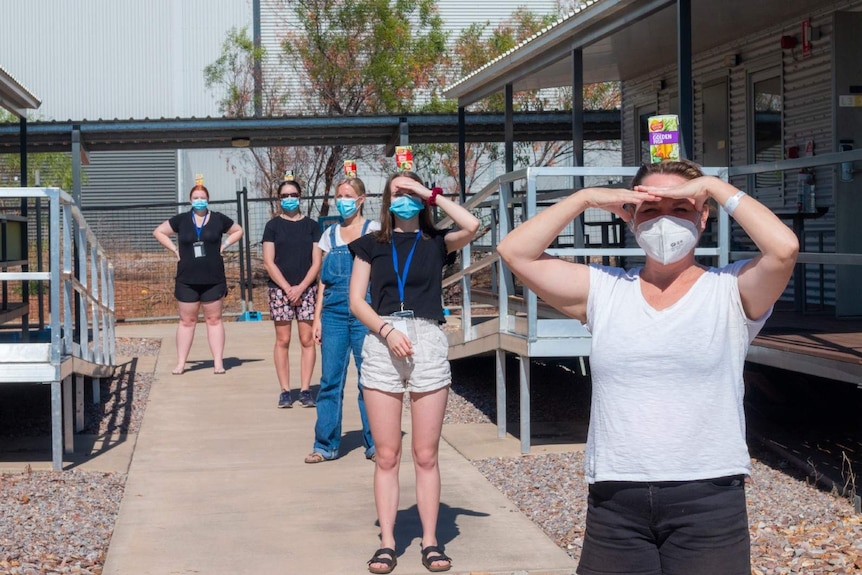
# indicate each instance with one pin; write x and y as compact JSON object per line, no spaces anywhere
{"x":667,"y":385}
{"x":326,"y":245}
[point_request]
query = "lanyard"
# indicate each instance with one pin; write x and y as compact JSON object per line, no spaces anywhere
{"x":195,"y":222}
{"x":403,"y":279}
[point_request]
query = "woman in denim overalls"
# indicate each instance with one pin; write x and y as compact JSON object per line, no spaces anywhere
{"x":335,"y":328}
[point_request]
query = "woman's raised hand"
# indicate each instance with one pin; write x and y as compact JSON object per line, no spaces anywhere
{"x":696,"y":189}
{"x":412,"y":186}
{"x":619,"y":201}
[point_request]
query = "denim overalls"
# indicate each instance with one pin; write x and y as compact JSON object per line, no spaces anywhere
{"x":341,"y":332}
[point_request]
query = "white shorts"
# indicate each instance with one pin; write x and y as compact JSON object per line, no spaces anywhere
{"x":426,"y":370}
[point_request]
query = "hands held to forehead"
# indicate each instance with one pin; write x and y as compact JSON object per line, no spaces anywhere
{"x":625,"y":203}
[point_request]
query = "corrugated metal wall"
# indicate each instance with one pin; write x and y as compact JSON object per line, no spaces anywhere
{"x":807,"y":116}
{"x":129,"y":179}
{"x":91,"y":59}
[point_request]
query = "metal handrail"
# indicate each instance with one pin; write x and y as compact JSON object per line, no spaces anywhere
{"x":92,"y":281}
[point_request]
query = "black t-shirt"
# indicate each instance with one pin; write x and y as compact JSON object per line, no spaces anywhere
{"x":423,"y":285}
{"x":294,"y":244}
{"x":208,"y":269}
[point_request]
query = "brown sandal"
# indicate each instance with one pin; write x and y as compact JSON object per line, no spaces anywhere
{"x":438,"y":555}
{"x":380,"y":556}
{"x":317,"y":457}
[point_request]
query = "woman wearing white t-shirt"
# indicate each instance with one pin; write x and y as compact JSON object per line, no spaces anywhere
{"x":666,"y":456}
{"x":335,"y":329}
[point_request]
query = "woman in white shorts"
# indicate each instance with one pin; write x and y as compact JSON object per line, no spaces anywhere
{"x":405,"y":349}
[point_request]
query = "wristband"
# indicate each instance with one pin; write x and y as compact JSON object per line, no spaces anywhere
{"x":432,"y":199}
{"x":380,"y":329}
{"x":730,"y":204}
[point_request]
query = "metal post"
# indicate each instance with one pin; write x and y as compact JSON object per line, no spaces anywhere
{"x":501,"y":392}
{"x":509,"y":130}
{"x":686,"y":89}
{"x":25,"y":286}
{"x":525,"y":403}
{"x":247,"y":240}
{"x":578,"y":137}
{"x":462,"y":153}
{"x":258,"y":70}
{"x":242,"y":268}
{"x":76,"y":196}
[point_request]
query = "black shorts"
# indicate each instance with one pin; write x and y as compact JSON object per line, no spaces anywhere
{"x":204,"y":293}
{"x":667,"y":528}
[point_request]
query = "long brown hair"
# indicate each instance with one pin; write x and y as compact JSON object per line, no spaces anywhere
{"x":426,"y":224}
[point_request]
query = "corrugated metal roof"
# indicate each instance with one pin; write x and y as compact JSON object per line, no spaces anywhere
{"x":15,"y":97}
{"x":204,"y":133}
{"x":621,"y":39}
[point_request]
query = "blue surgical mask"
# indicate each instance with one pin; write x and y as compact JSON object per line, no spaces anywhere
{"x":290,"y":204}
{"x":406,"y":207}
{"x":346,"y":206}
{"x":199,"y":205}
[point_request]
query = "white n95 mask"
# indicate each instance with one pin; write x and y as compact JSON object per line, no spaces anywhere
{"x":667,"y":239}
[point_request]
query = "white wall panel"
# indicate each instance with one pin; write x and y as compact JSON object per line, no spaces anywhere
{"x":91,"y":59}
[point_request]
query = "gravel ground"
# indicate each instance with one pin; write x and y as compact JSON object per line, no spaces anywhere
{"x":62,"y":522}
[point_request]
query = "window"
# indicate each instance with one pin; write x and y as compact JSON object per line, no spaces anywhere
{"x":765,"y":130}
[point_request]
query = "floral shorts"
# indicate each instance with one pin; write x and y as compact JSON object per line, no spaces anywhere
{"x":281,"y":309}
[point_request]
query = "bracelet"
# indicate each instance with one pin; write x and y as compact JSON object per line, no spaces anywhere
{"x":432,"y":199}
{"x":380,"y":329}
{"x":730,"y":205}
{"x":388,"y":333}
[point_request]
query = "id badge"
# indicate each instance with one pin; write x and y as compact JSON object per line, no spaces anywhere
{"x":404,"y":322}
{"x":200,"y":251}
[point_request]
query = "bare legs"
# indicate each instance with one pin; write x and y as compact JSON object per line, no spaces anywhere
{"x":309,"y":353}
{"x":384,"y":415}
{"x":215,"y":333}
{"x":280,"y":353}
{"x":186,"y":333}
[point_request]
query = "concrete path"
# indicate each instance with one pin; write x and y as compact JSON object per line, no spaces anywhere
{"x":217,"y":482}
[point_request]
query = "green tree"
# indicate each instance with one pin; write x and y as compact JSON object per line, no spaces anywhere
{"x":55,"y":168}
{"x":337,"y":58}
{"x":474,"y":48}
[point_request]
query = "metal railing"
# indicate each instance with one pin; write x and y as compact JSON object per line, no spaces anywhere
{"x":80,"y":330}
{"x":542,"y":330}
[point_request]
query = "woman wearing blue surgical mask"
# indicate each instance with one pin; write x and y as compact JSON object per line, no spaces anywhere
{"x":666,"y":457}
{"x":292,"y":262}
{"x":200,"y":280}
{"x":335,"y":329}
{"x":405,"y":350}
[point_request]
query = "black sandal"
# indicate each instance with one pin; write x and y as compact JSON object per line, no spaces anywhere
{"x":378,"y":557}
{"x":428,"y":562}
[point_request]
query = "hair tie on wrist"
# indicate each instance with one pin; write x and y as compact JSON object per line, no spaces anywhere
{"x":388,"y":333}
{"x":432,"y":199}
{"x":380,"y":329}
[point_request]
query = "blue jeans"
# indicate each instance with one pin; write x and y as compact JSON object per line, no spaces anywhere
{"x":341,"y":334}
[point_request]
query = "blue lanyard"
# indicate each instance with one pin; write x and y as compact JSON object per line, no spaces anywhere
{"x":195,"y":222}
{"x":403,"y":279}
